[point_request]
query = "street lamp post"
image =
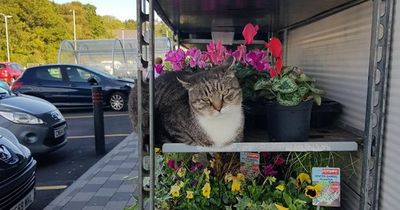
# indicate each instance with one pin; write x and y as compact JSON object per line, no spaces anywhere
{"x":8,"y":43}
{"x":73,"y":17}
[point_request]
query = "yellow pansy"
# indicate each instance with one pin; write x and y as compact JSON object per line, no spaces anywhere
{"x":206,"y":190}
{"x":240,"y":176}
{"x":313,"y":191}
{"x":236,"y":181}
{"x":207,"y":173}
{"x":212,"y":163}
{"x":157,"y":150}
{"x":195,"y":158}
{"x":228,"y":177}
{"x":175,"y":190}
{"x":279,"y":207}
{"x":302,"y":177}
{"x":280,"y":187}
{"x":235,"y":185}
{"x":189,"y":194}
{"x":181,"y":171}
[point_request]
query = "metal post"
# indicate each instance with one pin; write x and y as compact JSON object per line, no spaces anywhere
{"x":97,"y":98}
{"x":151,"y":102}
{"x":141,"y":64}
{"x":8,"y":43}
{"x":73,"y":20}
{"x":381,"y":32}
{"x":7,"y":40}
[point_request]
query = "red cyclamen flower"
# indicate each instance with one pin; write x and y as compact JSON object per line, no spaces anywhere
{"x":249,"y":32}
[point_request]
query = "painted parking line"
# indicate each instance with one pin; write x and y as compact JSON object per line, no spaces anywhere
{"x":91,"y":116}
{"x":92,"y":136}
{"x":51,"y":187}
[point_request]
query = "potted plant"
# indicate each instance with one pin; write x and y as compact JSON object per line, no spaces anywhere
{"x":291,"y":93}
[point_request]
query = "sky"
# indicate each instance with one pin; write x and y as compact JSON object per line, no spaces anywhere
{"x":121,"y":9}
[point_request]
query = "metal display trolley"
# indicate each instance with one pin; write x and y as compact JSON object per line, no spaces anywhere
{"x":193,"y":21}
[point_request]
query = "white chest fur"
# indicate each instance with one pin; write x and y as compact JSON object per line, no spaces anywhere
{"x":223,"y":128}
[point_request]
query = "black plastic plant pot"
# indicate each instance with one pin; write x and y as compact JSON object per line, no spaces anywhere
{"x":289,"y":123}
{"x":326,"y":114}
{"x":255,"y":115}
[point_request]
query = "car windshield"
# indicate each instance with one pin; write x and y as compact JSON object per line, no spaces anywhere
{"x":102,"y":73}
{"x":16,"y":66}
{"x":4,"y":92}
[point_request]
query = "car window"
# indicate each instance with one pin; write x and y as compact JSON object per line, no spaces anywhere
{"x":2,"y":66}
{"x":16,"y":66}
{"x":76,"y":74}
{"x":49,"y":73}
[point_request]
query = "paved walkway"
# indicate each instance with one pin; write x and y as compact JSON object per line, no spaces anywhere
{"x":103,"y":185}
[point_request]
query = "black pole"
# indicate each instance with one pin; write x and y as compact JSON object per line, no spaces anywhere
{"x":97,"y":99}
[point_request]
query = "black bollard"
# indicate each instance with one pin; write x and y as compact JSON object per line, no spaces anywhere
{"x":97,"y":99}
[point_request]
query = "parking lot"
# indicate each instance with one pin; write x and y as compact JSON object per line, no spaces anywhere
{"x":57,"y":170}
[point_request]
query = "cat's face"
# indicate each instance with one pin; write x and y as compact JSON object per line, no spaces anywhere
{"x":214,"y":93}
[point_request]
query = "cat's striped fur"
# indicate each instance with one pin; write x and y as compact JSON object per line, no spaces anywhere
{"x":202,"y":108}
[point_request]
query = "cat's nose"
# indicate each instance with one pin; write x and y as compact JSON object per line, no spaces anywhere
{"x":217,"y":105}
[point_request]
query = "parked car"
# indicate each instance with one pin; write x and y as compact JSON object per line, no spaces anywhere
{"x":17,"y":173}
{"x":67,"y":85}
{"x":36,"y":123}
{"x":9,"y":72}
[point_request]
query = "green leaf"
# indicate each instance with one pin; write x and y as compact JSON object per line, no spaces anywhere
{"x":284,"y":85}
{"x":263,"y":84}
{"x":288,"y":199}
{"x":317,"y":99}
{"x":292,"y":207}
{"x":305,"y":78}
{"x":288,"y":99}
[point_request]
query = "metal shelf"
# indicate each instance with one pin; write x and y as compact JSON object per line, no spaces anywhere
{"x":320,"y":140}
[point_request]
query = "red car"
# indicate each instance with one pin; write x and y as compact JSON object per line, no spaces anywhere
{"x":9,"y":72}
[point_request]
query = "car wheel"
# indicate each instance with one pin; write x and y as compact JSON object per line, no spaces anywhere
{"x":117,"y":101}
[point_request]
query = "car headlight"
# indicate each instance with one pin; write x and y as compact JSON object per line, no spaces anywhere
{"x":129,"y":85}
{"x":21,"y":118}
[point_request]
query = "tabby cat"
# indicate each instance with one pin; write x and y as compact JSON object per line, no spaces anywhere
{"x":203,"y":108}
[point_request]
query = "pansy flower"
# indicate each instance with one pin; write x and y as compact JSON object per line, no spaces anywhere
{"x":206,"y":190}
{"x":313,"y":191}
{"x":301,"y":178}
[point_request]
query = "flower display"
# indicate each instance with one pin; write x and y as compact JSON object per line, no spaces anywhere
{"x":181,"y":188}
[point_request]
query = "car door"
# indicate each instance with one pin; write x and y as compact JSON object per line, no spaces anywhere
{"x":78,"y":77}
{"x":50,"y":84}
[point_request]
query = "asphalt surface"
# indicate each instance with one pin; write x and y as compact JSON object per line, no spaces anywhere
{"x":59,"y":169}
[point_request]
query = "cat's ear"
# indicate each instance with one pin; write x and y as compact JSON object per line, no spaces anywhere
{"x":230,"y":70}
{"x":184,"y":83}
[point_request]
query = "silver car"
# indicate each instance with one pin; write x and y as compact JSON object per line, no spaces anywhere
{"x":36,"y":123}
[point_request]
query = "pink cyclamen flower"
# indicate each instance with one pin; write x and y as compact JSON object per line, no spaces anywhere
{"x":257,"y":59}
{"x":196,"y":58}
{"x":177,"y":58}
{"x":268,"y":170}
{"x":239,"y":53}
{"x":216,"y":52}
{"x":249,"y":31}
{"x":159,"y":68}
